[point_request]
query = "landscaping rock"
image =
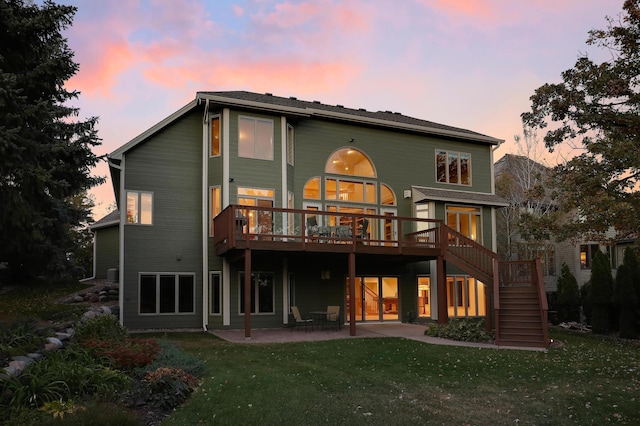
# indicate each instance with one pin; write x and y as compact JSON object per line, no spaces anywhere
{"x":55,"y":341}
{"x":25,"y":359}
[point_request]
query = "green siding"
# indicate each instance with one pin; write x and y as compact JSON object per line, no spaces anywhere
{"x":107,"y":250}
{"x":169,"y":165}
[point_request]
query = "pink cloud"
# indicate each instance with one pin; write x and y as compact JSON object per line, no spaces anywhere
{"x":237,"y":10}
{"x":99,"y":70}
{"x":260,"y":75}
{"x":318,"y":16}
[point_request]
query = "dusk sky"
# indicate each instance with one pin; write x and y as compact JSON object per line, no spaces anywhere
{"x":466,"y":63}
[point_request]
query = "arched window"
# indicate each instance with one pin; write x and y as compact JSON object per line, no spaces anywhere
{"x":312,"y":189}
{"x":350,"y":162}
{"x":387,"y":196}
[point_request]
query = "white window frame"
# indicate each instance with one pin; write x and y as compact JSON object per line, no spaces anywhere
{"x":211,"y":119}
{"x":211,"y":212}
{"x":176,"y":276}
{"x":478,"y":238}
{"x":256,"y":155}
{"x":138,"y":216}
{"x":459,"y":167}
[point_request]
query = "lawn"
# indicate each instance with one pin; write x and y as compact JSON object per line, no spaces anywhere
{"x":590,"y":380}
{"x":358,"y":381}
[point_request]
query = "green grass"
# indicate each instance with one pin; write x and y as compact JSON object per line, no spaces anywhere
{"x":395,"y":381}
{"x":36,"y":300}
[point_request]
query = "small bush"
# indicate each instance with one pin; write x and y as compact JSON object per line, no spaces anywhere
{"x":170,"y":355}
{"x":462,"y":329}
{"x":169,"y":387}
{"x":101,"y":327}
{"x":126,"y":355}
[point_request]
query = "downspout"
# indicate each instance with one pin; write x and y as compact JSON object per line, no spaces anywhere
{"x":121,"y":266}
{"x":205,"y":218}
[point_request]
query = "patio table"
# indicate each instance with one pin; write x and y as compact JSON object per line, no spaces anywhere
{"x":320,"y":316}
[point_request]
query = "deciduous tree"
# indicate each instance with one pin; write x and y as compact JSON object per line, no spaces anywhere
{"x":597,"y":108}
{"x":45,"y":150}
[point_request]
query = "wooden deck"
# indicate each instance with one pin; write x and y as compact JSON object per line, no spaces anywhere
{"x":287,"y":230}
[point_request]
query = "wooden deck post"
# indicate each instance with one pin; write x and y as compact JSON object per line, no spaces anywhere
{"x":352,"y":291}
{"x":247,"y":293}
{"x":441,"y":271}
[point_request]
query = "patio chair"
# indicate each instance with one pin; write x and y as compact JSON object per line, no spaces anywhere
{"x":364,"y":231}
{"x":333,"y":317}
{"x":298,"y":321}
{"x":312,"y":226}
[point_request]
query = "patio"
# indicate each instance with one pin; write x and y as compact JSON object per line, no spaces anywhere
{"x":403,"y":330}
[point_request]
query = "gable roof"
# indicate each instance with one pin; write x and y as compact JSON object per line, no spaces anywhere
{"x":294,"y":107}
{"x":111,"y":219}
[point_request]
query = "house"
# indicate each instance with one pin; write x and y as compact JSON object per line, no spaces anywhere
{"x":240,"y":205}
{"x":515,"y":175}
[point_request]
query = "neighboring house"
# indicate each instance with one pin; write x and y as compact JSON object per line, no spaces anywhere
{"x":240,"y":205}
{"x":522,"y":174}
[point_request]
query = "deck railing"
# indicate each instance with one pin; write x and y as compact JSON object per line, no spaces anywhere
{"x":251,"y":223}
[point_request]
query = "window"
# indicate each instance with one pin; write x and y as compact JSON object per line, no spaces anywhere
{"x":167,"y":293}
{"x":465,"y":297}
{"x":453,"y":167}
{"x":312,"y":189}
{"x":255,"y":138}
{"x":215,"y":207}
{"x":262,"y":293}
{"x":348,"y":190}
{"x":262,"y":223}
{"x":424,"y":296}
{"x":139,"y":208}
{"x":387,"y":196}
{"x":465,"y":220}
{"x":215,"y":293}
{"x":587,"y":253}
{"x":290,"y":145}
{"x":214,"y":148}
{"x":350,"y":161}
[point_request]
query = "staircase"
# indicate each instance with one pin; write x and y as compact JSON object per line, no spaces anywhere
{"x":519,"y":320}
{"x":519,"y":297}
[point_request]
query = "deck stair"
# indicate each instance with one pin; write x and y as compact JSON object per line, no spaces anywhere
{"x":520,"y":303}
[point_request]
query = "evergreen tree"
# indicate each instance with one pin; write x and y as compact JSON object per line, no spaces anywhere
{"x":625,"y":302}
{"x":601,"y":293}
{"x":628,"y":295}
{"x":45,"y":151}
{"x":568,"y":296}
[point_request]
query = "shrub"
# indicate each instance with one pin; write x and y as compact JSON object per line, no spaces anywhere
{"x":169,"y":387}
{"x":568,"y":296}
{"x":84,"y":374}
{"x":101,"y":327}
{"x":625,"y":296}
{"x":170,"y":355}
{"x":127,"y":354}
{"x":462,"y":329}
{"x":601,"y":293}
